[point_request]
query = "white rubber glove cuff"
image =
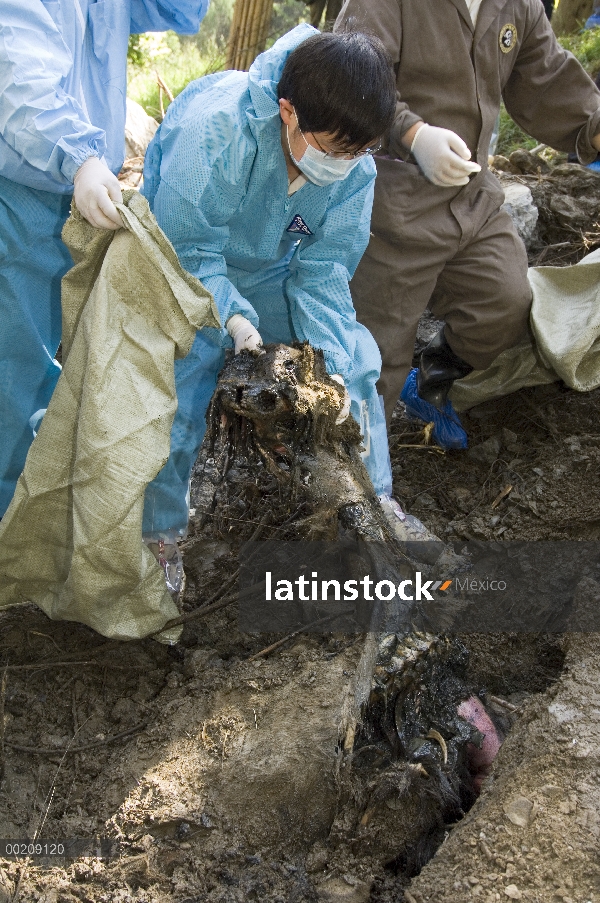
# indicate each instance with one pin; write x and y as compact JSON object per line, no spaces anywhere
{"x":414,"y":141}
{"x":443,"y":156}
{"x":245,"y":336}
{"x":345,"y":408}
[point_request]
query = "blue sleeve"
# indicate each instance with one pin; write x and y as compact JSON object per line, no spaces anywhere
{"x":203,"y":180}
{"x":38,"y":120}
{"x":183,"y":16}
{"x":320,"y":301}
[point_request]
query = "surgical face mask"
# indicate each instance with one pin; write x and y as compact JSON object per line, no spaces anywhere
{"x":319,"y":167}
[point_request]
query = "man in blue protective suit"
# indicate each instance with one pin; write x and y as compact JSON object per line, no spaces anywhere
{"x":62,"y":121}
{"x":263,"y":181}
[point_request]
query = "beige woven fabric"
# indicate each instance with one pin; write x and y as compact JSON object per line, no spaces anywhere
{"x":71,"y":538}
{"x":565,"y":342}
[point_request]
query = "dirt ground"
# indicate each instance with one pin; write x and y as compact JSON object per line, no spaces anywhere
{"x":153,"y":733}
{"x":542,"y":442}
{"x":534,"y":833}
{"x":193,"y":774}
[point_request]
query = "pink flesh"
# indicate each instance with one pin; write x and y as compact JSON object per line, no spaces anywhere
{"x":480,"y":759}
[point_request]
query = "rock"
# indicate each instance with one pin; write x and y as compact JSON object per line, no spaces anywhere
{"x":518,"y":203}
{"x":510,"y":439}
{"x":518,"y":811}
{"x":513,"y":892}
{"x":503,"y":164}
{"x":49,"y":896}
{"x":570,"y":212}
{"x":317,"y":859}
{"x":528,"y":163}
{"x":565,"y":714}
{"x":552,"y":790}
{"x":486,"y":452}
{"x":125,"y":710}
{"x":427,"y":501}
{"x":139,"y":130}
{"x":133,"y":869}
{"x":198,"y":660}
{"x":81,"y":872}
{"x":338,"y":890}
{"x":461,"y":494}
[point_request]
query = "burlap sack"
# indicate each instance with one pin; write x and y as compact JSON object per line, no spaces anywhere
{"x":565,"y":342}
{"x":71,"y":538}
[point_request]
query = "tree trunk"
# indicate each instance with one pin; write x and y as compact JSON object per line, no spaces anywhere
{"x":331,"y":9}
{"x":248,"y":33}
{"x":570,"y":15}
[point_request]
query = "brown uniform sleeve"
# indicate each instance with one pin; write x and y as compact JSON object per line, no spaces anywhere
{"x":383,"y":19}
{"x":550,"y":95}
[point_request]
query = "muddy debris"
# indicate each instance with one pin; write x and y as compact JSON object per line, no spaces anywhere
{"x":534,"y":832}
{"x":273,"y":419}
{"x":567,"y":197}
{"x":336,"y":767}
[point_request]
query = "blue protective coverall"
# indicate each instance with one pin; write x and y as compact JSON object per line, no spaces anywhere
{"x":216,"y":179}
{"x":63,"y":81}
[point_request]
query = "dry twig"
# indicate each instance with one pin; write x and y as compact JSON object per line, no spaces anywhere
{"x":163,"y":87}
{"x":290,"y":636}
{"x":43,"y":751}
{"x":502,"y":495}
{"x":504,"y":704}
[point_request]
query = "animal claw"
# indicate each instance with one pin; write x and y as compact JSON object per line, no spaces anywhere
{"x":435,"y":735}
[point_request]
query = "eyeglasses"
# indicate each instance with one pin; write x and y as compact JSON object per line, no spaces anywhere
{"x":340,"y":155}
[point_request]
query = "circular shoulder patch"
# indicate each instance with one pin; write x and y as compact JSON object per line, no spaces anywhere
{"x":508,"y":37}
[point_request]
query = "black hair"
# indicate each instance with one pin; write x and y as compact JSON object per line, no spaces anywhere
{"x":342,"y":84}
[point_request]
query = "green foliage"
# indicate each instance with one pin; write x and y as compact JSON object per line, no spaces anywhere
{"x":511,"y":136}
{"x":181,"y":59}
{"x":135,"y":53}
{"x":286,"y":15}
{"x":586,"y":47}
{"x":211,"y":40}
{"x":176,"y":62}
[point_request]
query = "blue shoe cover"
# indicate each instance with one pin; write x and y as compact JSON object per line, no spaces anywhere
{"x":447,"y":428}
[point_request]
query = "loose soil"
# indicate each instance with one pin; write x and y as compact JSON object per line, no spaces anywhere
{"x":220,"y":779}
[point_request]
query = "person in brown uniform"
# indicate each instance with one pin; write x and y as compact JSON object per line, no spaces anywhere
{"x":438,"y":235}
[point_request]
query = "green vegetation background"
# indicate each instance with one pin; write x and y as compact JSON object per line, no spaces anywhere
{"x":586,"y":47}
{"x":179,"y":60}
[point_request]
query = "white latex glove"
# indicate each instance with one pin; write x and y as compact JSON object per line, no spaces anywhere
{"x":345,"y":409}
{"x":443,"y":156}
{"x":245,"y":336}
{"x":97,"y":191}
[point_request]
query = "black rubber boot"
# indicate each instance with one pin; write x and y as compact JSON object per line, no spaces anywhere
{"x":439,"y":366}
